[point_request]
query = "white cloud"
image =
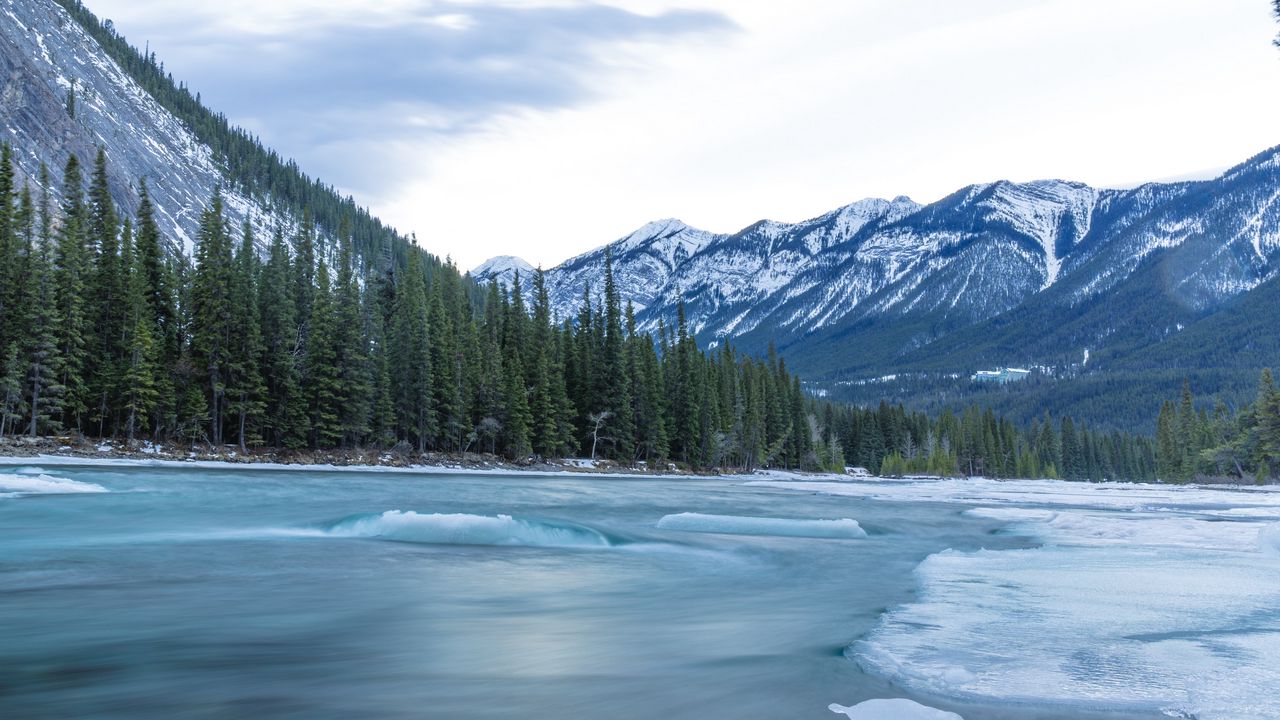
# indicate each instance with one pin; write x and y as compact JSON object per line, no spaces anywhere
{"x":813,"y":104}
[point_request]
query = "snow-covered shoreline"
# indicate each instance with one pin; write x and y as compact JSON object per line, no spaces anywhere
{"x":233,"y":465}
{"x":582,"y":469}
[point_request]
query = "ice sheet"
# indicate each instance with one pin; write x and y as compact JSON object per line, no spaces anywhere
{"x":1144,"y":598}
{"x":1125,"y":529}
{"x":1187,"y":631}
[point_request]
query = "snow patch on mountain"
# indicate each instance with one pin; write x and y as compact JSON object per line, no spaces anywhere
{"x":974,"y":255}
{"x":503,"y":268}
{"x":44,"y":53}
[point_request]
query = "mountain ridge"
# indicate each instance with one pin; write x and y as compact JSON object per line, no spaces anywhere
{"x":1053,"y":268}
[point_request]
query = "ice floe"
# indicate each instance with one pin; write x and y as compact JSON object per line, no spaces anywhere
{"x":28,"y":484}
{"x":465,"y":529}
{"x":843,"y":528}
{"x":893,"y":709}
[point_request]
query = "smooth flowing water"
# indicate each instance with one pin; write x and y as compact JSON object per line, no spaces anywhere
{"x":309,"y":594}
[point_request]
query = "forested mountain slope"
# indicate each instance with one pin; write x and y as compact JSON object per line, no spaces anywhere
{"x":70,"y":84}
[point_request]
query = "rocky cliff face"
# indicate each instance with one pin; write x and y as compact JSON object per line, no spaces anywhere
{"x":44,"y":57}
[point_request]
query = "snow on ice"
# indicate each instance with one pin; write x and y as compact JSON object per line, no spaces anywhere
{"x":1144,"y":599}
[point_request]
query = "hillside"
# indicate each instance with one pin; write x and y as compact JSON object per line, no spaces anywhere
{"x":152,"y":126}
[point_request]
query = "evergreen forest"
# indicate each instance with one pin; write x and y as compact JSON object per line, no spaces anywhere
{"x":300,"y":342}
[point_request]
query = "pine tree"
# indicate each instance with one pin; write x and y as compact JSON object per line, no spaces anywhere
{"x":1267,"y":420}
{"x":246,"y":388}
{"x":10,"y":255}
{"x":324,"y":384}
{"x":212,"y":315}
{"x":1188,"y":436}
{"x":139,"y":388}
{"x":410,"y":359}
{"x":1073,"y":461}
{"x":285,"y":420}
{"x":70,"y":268}
{"x":11,"y":375}
{"x":383,"y":418}
{"x":304,"y":274}
{"x":153,"y":275}
{"x":446,"y":382}
{"x":351,"y":345}
{"x":1169,"y":452}
{"x":645,"y":378}
{"x":615,"y":378}
{"x":42,"y":349}
{"x":517,"y":418}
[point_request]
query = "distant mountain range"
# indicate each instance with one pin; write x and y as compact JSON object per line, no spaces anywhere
{"x":894,"y":298}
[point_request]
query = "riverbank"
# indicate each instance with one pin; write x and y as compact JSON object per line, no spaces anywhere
{"x":73,"y":451}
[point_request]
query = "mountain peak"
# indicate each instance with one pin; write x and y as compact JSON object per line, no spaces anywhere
{"x":502,"y":268}
{"x":670,"y":239}
{"x":665,"y":226}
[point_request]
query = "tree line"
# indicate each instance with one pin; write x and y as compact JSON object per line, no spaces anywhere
{"x":891,"y":441}
{"x":1196,"y":443}
{"x":308,"y":345}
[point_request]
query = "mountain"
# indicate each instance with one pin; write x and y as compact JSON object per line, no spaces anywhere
{"x":43,"y":56}
{"x":70,"y":83}
{"x":1042,"y":274}
{"x":503,"y":269}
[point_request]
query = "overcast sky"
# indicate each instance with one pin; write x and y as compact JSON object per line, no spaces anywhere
{"x":544,"y":128}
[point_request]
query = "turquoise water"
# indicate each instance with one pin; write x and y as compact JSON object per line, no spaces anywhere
{"x":304,"y":594}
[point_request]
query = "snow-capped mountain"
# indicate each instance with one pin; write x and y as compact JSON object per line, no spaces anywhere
{"x":503,"y":269}
{"x":70,"y":84}
{"x":44,"y":56}
{"x":868,"y":285}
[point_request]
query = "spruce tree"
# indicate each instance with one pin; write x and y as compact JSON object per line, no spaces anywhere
{"x":246,"y":388}
{"x":43,"y":323}
{"x":324,"y":383}
{"x":153,"y":275}
{"x":351,"y":345}
{"x":10,"y":255}
{"x":446,"y":364}
{"x":106,"y":286}
{"x":70,"y":270}
{"x":410,"y":358}
{"x":213,"y":315}
{"x":382,"y":421}
{"x":285,"y":420}
{"x":11,"y":376}
{"x":1267,"y":423}
{"x":616,"y":380}
{"x":139,"y":389}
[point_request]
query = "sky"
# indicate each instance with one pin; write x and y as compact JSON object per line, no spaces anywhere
{"x":546,"y":128}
